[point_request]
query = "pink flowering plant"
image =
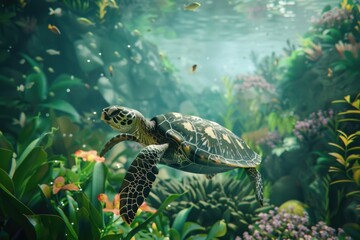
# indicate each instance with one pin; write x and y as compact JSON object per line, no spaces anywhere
{"x":312,"y":128}
{"x":282,"y":224}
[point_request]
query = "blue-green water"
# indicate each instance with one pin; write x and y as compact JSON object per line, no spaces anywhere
{"x":283,"y":76}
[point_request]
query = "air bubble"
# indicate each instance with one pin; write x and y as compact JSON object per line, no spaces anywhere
{"x":129,"y":46}
{"x":64,"y":135}
{"x":84,"y":145}
{"x":88,"y":60}
{"x":47,"y":114}
{"x":99,"y":53}
{"x":70,"y":135}
{"x":68,"y":90}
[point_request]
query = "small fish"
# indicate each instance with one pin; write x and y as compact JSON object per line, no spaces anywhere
{"x":192,"y":6}
{"x":22,"y":87}
{"x":37,"y":69}
{"x":54,"y":29}
{"x":116,"y":53}
{"x":21,"y":121}
{"x":53,"y":52}
{"x":93,"y":45}
{"x":193,"y":68}
{"x":85,"y":21}
{"x":56,"y":11}
{"x":111,"y":70}
{"x":38,"y":58}
{"x":329,"y":72}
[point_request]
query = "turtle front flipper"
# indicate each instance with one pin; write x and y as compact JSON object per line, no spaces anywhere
{"x":115,"y":140}
{"x":138,"y":180}
{"x":256,"y":181}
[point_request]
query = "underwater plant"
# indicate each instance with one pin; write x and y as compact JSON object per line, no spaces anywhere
{"x":210,"y":201}
{"x":282,"y":224}
{"x":310,"y":129}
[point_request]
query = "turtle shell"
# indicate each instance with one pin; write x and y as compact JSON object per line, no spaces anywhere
{"x":203,"y":144}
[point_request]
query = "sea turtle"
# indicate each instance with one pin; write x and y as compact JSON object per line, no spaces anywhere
{"x":180,"y":141}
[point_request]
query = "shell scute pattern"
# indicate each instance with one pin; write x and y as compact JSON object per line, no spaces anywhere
{"x":205,"y":142}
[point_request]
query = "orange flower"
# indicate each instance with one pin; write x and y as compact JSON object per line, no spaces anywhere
{"x":89,"y":156}
{"x":109,"y":206}
{"x":59,"y":184}
{"x":115,"y":205}
{"x":146,"y":208}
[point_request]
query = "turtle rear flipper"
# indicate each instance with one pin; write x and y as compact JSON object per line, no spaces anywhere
{"x":256,"y":181}
{"x":138,"y":180}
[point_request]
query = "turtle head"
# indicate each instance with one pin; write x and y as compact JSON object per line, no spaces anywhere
{"x":123,"y":119}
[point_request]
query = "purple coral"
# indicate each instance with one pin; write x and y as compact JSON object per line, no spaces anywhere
{"x":311,"y":127}
{"x":280,"y":224}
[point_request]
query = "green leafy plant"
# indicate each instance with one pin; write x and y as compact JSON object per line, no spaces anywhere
{"x":211,"y":201}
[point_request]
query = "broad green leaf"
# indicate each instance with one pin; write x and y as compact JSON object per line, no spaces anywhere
{"x":72,"y":208}
{"x":38,"y":141}
{"x":95,"y":217}
{"x":180,"y":219}
{"x":71,"y":234}
{"x":112,"y":237}
{"x":6,"y":181}
{"x":16,"y":210}
{"x":143,"y":225}
{"x":5,"y":159}
{"x":47,"y":226}
{"x":85,"y":228}
{"x":63,"y":82}
{"x":38,"y":91}
{"x":4,"y":143}
{"x":37,"y":177}
{"x":217,"y":230}
{"x":190,"y":227}
{"x":174,"y":234}
{"x":98,"y":183}
{"x":33,"y":160}
{"x":63,"y":106}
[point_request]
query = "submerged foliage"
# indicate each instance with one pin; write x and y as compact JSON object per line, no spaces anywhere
{"x":211,"y":200}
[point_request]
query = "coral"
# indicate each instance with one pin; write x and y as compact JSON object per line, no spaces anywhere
{"x":211,"y":200}
{"x":279,"y":224}
{"x":311,"y":127}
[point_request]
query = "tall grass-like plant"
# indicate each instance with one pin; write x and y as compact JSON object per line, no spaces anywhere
{"x":345,"y":166}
